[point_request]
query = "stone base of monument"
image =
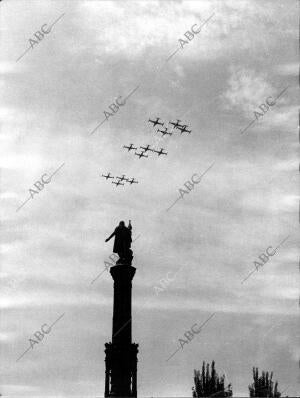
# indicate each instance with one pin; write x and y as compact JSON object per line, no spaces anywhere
{"x":121,"y":370}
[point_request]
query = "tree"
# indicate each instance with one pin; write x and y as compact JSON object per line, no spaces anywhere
{"x":210,"y":384}
{"x":263,"y":386}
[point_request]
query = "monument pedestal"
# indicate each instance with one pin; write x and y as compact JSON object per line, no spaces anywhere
{"x":121,"y":353}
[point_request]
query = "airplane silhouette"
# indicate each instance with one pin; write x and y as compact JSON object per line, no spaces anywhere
{"x":132,"y":181}
{"x":146,"y":148}
{"x":140,"y":155}
{"x":176,"y":124}
{"x":164,"y":132}
{"x":107,"y":177}
{"x":183,"y":129}
{"x":129,"y":147}
{"x":155,"y":122}
{"x":122,"y":178}
{"x":117,"y":183}
{"x":161,"y":152}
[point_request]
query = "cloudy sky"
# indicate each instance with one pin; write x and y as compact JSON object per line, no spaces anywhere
{"x":53,"y":247}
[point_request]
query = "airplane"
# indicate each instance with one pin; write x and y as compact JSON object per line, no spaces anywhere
{"x":183,"y":129}
{"x":108,"y":176}
{"x":164,"y":132}
{"x":176,"y":124}
{"x":129,"y":147}
{"x":161,"y":152}
{"x":140,"y":155}
{"x":132,"y":181}
{"x":117,"y":183}
{"x":146,"y":148}
{"x":122,"y":178}
{"x":155,"y":122}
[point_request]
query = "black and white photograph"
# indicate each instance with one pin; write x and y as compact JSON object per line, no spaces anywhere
{"x":150,"y":202}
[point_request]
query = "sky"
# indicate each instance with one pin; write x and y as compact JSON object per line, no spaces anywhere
{"x":55,"y":91}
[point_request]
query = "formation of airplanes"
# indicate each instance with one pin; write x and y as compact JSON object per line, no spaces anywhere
{"x":176,"y":126}
{"x":119,"y":180}
{"x":144,"y":150}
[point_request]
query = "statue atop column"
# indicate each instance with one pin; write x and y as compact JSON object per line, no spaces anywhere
{"x":122,"y":243}
{"x":121,"y":353}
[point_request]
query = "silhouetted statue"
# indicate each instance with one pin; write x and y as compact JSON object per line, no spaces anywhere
{"x":122,"y":242}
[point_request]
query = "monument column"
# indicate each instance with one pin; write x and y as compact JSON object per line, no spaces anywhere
{"x":121,"y":353}
{"x":121,"y":328}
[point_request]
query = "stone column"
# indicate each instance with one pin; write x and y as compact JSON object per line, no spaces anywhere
{"x":122,"y":353}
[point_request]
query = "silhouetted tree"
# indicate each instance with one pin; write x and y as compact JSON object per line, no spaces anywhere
{"x":263,"y":386}
{"x":210,"y":384}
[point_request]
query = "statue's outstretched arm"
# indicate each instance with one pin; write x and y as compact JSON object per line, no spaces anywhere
{"x":113,"y":234}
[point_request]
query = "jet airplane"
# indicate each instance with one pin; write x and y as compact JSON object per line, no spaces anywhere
{"x":161,"y":152}
{"x":132,"y":181}
{"x":117,"y":183}
{"x":146,"y":148}
{"x":183,"y":129}
{"x":107,"y":176}
{"x":122,"y":178}
{"x":129,"y":148}
{"x":164,"y":132}
{"x":156,"y":122}
{"x":176,"y":124}
{"x":141,"y":155}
